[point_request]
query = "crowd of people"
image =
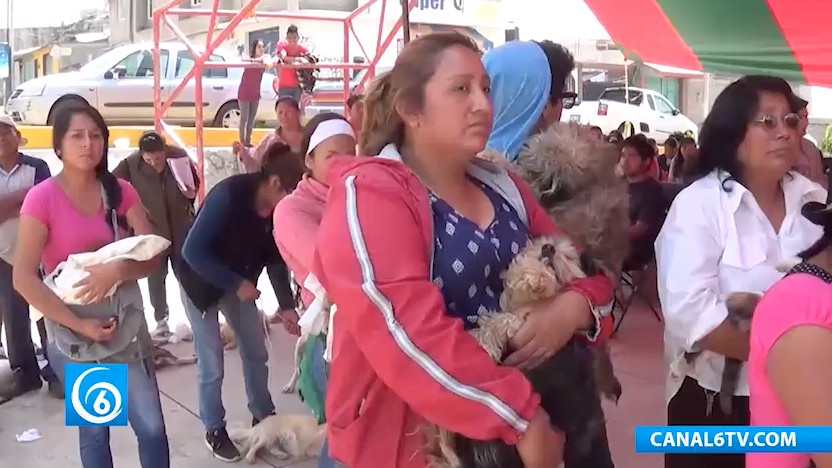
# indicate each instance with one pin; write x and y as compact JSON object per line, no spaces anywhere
{"x":410,"y":242}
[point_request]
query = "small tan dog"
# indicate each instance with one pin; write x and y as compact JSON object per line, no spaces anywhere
{"x":566,"y":382}
{"x":290,"y":436}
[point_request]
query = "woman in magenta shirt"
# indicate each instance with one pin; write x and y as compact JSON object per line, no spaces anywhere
{"x":248,"y":94}
{"x":789,"y":370}
{"x":66,"y":215}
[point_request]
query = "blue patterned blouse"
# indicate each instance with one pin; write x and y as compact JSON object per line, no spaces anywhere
{"x":468,"y":261}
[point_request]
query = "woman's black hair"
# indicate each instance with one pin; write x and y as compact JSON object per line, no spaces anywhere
{"x":312,"y":125}
{"x":253,"y":49}
{"x":561,"y":64}
{"x":672,"y":142}
{"x":280,"y":161}
{"x":725,"y":126}
{"x":112,"y":189}
{"x":641,"y":144}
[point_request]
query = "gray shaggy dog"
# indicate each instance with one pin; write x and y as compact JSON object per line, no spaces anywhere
{"x":573,"y":176}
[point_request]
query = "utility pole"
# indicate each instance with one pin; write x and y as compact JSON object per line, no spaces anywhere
{"x":405,"y":21}
{"x":10,"y":40}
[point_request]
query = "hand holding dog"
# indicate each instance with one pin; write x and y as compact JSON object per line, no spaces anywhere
{"x":101,"y":279}
{"x":548,"y":326}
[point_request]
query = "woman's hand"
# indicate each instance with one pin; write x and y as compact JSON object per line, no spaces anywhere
{"x":549,"y":325}
{"x":541,"y":446}
{"x":101,"y":279}
{"x":97,"y":330}
{"x":289,"y":318}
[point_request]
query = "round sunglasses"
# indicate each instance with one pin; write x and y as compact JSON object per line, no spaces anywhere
{"x":770,"y":122}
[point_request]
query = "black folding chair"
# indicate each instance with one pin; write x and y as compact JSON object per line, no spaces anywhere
{"x":634,"y":280}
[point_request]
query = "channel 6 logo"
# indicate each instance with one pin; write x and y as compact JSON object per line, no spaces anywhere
{"x":96,"y":394}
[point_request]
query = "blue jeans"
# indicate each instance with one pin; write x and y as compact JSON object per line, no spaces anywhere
{"x":319,"y":373}
{"x":144,"y":412}
{"x":247,"y":324}
{"x":294,"y":93}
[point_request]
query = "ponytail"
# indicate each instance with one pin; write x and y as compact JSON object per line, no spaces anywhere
{"x":382,"y":124}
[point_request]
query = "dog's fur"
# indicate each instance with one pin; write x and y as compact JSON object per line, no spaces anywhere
{"x":573,"y":176}
{"x":290,"y":436}
{"x":740,"y":312}
{"x":565,"y":381}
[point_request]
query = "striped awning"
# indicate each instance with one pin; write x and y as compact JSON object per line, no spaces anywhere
{"x":788,"y":38}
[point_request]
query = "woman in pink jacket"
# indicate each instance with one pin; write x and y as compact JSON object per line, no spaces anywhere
{"x":298,"y":216}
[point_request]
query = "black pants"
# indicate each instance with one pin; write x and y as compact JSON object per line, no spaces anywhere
{"x":158,"y":291}
{"x":689,"y":407}
{"x":21,"y":349}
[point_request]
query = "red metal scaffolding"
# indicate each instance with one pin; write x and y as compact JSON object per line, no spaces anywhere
{"x":162,"y":16}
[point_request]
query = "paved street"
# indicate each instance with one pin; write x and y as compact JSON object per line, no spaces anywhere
{"x":636,"y":350}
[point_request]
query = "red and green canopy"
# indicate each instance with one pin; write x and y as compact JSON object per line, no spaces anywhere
{"x":788,"y":38}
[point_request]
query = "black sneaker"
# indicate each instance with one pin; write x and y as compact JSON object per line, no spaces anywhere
{"x":221,"y":446}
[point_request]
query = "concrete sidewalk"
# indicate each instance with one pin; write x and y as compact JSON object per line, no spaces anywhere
{"x":637,"y":355}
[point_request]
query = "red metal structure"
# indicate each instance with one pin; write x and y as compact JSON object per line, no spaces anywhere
{"x":162,"y":16}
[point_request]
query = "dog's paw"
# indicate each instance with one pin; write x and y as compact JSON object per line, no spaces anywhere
{"x":279,"y":454}
{"x":184,"y":361}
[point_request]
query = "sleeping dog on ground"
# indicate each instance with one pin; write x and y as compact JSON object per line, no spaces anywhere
{"x":566,"y":381}
{"x":291,"y":436}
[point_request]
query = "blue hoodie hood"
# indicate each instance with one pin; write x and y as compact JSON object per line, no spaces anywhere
{"x":520,"y":86}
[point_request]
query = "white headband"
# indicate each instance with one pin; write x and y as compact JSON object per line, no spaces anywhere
{"x":326,"y":129}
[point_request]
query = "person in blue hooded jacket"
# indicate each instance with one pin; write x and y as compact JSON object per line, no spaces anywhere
{"x":528,"y":92}
{"x":528,"y":89}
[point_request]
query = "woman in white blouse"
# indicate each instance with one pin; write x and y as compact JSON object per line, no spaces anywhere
{"x":727,"y":232}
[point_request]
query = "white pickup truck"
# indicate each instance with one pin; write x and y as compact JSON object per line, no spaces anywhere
{"x":120,"y":84}
{"x":630,"y":111}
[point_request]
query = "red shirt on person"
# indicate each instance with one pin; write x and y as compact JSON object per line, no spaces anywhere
{"x":288,"y":77}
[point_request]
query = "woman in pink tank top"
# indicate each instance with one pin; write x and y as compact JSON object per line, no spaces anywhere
{"x":789,"y":371}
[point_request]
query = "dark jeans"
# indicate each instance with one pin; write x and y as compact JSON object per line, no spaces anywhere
{"x":158,"y":291}
{"x":294,"y":93}
{"x":689,"y":407}
{"x":21,"y":349}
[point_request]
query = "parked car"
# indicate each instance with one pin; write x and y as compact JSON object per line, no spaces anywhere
{"x":632,"y":110}
{"x":119,"y":83}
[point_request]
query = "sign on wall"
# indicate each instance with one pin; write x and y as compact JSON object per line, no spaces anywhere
{"x":458,"y":12}
{"x":5,"y":60}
